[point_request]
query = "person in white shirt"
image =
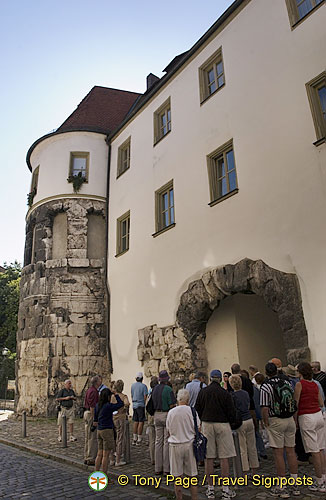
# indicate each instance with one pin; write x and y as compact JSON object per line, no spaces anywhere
{"x":181,"y":431}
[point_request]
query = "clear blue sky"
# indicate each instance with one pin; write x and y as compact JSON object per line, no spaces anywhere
{"x":54,"y":52}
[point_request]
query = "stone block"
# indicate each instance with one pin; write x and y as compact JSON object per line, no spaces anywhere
{"x":81,"y":306}
{"x":141,"y":336}
{"x":96,"y":263}
{"x":140,"y":352}
{"x":50,"y":264}
{"x":78,"y":262}
{"x":77,"y":330}
{"x":157,"y":352}
{"x":74,"y":365}
{"x":151,"y":368}
{"x":70,"y":346}
{"x":81,"y":318}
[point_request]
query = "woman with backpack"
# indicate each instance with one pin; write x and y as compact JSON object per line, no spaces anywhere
{"x":103,"y":420}
{"x":311,"y":423}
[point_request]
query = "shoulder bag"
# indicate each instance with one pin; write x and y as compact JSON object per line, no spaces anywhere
{"x":200,"y":441}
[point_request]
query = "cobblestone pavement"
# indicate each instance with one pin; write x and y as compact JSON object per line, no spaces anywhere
{"x":42,"y":438}
{"x":23,"y":475}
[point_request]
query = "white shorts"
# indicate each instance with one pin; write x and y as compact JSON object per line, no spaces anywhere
{"x":312,"y":430}
{"x":182,"y":459}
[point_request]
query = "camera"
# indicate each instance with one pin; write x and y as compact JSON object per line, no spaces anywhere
{"x":58,"y":408}
{"x":93,"y":428}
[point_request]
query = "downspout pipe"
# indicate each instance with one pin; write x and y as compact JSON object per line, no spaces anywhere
{"x":108,"y":298}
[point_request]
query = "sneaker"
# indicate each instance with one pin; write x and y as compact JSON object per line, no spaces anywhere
{"x":112,"y":463}
{"x":133,"y":442}
{"x":295,"y":491}
{"x":72,"y":438}
{"x":317,"y":487}
{"x":138,"y":443}
{"x":227,"y":495}
{"x":118,"y":464}
{"x":279,"y":492}
{"x":210,"y":492}
{"x":59,"y":439}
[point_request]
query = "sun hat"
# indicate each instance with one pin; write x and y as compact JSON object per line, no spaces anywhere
{"x":163,"y":376}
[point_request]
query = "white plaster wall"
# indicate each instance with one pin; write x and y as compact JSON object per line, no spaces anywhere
{"x":243,"y":330}
{"x":278,"y":214}
{"x":259,"y":335}
{"x":53,"y":156}
{"x":221,"y":337}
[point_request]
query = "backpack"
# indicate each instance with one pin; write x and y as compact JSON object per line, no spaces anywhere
{"x":285,"y":405}
{"x":238,"y":418}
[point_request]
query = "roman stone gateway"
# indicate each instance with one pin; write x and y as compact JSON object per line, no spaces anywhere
{"x":181,"y":349}
{"x":63,"y":306}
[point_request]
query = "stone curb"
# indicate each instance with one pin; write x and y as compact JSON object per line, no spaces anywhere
{"x":76,"y":463}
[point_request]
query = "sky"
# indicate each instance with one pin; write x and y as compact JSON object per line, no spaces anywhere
{"x":53,"y":52}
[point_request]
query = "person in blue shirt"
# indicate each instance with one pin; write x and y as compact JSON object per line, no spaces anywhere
{"x":193,"y":387}
{"x":139,"y":394}
{"x":103,"y":420}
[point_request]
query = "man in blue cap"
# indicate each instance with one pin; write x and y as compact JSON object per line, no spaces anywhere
{"x":216,"y":410}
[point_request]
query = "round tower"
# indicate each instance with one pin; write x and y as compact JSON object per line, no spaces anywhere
{"x":62,"y":331}
{"x":63,"y":315}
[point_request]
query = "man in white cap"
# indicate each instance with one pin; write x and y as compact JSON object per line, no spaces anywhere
{"x":139,"y":394}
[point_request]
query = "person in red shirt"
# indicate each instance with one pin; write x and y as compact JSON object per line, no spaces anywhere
{"x":311,"y":422}
{"x":91,"y":399}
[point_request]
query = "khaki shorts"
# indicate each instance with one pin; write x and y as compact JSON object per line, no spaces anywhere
{"x":281,"y":432}
{"x":70,"y":414}
{"x":105,"y":440}
{"x":182,"y":459}
{"x":219,"y":439}
{"x":312,"y":430}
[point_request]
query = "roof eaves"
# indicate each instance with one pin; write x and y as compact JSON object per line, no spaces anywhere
{"x":187,"y":55}
{"x":58,"y":132}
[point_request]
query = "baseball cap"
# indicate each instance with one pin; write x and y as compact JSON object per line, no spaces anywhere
{"x":215,"y":374}
{"x":139,"y":375}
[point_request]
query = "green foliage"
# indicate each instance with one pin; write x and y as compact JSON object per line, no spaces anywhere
{"x":77,"y":181}
{"x":9,"y":303}
{"x":30,"y":197}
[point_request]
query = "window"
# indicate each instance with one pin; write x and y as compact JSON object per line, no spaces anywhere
{"x":211,"y":75}
{"x":79,"y":162}
{"x":162,"y":121}
{"x":35,"y":180}
{"x":123,"y":157}
{"x":316,"y":89}
{"x":299,"y":9}
{"x":164,"y":208}
{"x":123,"y":230}
{"x":222,"y":173}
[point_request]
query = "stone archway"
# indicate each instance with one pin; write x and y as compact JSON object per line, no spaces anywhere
{"x":279,"y":290}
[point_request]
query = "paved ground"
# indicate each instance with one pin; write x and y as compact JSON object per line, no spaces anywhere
{"x":42,"y":439}
{"x":23,"y":475}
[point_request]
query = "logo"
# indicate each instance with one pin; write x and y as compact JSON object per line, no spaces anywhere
{"x":98,"y":481}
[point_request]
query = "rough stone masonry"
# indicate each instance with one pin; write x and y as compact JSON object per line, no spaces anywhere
{"x":62,"y":325}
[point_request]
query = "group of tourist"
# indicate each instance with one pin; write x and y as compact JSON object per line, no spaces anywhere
{"x":286,"y":405}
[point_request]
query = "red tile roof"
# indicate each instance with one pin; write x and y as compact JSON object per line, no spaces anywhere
{"x":102,"y":110}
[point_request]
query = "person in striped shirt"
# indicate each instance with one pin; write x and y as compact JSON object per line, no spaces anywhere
{"x":281,"y":432}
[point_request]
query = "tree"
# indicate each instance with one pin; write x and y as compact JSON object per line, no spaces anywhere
{"x":9,"y":303}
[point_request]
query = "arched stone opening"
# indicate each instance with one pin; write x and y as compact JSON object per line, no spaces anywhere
{"x":280,"y":291}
